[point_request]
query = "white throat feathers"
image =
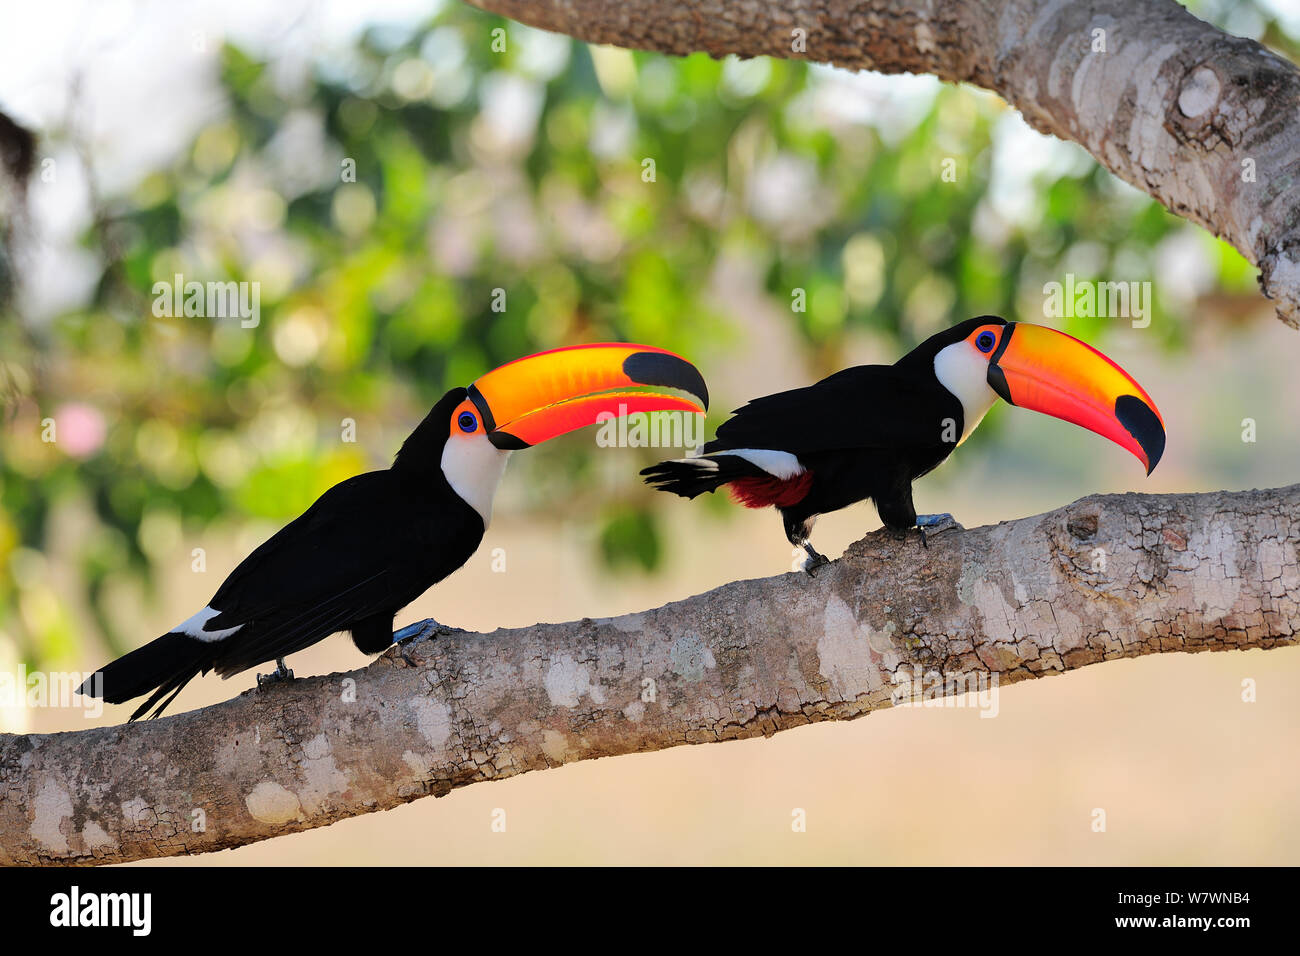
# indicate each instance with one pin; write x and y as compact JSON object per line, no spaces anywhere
{"x":963,"y":370}
{"x":473,"y":466}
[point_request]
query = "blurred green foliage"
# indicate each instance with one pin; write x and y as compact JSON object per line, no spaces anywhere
{"x":380,"y":196}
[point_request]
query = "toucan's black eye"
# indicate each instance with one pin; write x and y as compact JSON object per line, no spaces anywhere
{"x":467,"y":422}
{"x":985,"y":341}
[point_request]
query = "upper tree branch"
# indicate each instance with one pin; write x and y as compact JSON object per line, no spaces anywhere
{"x":1203,"y":121}
{"x":1104,"y":578}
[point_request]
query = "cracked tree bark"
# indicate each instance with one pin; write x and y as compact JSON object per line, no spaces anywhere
{"x":1201,"y":120}
{"x":1104,"y":578}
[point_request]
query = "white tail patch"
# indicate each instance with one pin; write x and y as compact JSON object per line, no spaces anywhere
{"x":699,"y":464}
{"x":778,"y":464}
{"x":194,"y":627}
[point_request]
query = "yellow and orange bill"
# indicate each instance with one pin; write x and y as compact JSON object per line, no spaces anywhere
{"x":542,"y":396}
{"x":1056,"y":374}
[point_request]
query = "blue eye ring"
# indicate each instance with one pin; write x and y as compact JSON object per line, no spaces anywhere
{"x":985,"y":341}
{"x":467,"y":422}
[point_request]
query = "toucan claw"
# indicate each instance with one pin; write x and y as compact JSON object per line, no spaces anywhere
{"x":423,"y":630}
{"x":814,"y":561}
{"x":937,"y":524}
{"x":407,"y":637}
{"x":281,"y":673}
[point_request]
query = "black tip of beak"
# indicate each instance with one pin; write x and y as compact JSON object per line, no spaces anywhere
{"x":1144,"y":425}
{"x":667,"y":371}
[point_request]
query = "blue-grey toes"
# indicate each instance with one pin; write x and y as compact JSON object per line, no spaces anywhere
{"x":942,"y":522}
{"x":422,"y":630}
{"x":932,"y":521}
{"x":280,"y":673}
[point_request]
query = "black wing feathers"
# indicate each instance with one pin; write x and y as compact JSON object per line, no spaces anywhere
{"x":868,"y":406}
{"x":368,"y":545}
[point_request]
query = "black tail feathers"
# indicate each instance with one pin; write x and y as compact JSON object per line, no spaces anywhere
{"x":690,"y":477}
{"x":163,"y":666}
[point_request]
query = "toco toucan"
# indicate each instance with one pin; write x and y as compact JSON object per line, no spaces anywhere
{"x":870,"y":431}
{"x":372,"y":544}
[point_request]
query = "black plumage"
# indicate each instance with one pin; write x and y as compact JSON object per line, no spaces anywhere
{"x":870,"y":431}
{"x":364,"y":550}
{"x":898,"y":436}
{"x":372,"y":544}
{"x":863,"y":432}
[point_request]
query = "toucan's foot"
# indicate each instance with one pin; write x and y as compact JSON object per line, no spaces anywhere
{"x":936,"y":524}
{"x":421,"y":630}
{"x":933,"y":521}
{"x":280,"y":673}
{"x":814,"y":560}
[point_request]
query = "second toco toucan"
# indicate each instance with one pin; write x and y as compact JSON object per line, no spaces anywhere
{"x":870,"y":431}
{"x":374,"y":543}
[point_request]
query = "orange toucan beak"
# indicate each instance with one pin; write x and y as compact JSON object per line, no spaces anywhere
{"x":1054,"y":373}
{"x":532,"y":399}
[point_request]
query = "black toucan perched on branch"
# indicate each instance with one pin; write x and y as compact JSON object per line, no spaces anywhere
{"x":374,"y":543}
{"x":870,"y":431}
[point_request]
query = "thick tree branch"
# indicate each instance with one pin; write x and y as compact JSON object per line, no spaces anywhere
{"x":1203,"y":121}
{"x":1103,"y":578}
